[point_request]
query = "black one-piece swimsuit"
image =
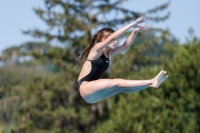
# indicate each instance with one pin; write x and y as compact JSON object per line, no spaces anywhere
{"x":99,"y":66}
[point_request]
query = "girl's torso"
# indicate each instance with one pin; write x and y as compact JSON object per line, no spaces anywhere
{"x":93,"y":69}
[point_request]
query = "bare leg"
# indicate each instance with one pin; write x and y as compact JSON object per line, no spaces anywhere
{"x":135,"y":89}
{"x":94,"y":91}
{"x":106,"y":95}
{"x":128,"y":89}
{"x":116,"y":91}
{"x":156,"y":82}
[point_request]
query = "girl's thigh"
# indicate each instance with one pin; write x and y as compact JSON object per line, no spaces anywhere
{"x":97,"y":88}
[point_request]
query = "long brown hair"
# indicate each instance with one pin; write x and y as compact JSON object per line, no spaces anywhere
{"x":105,"y":32}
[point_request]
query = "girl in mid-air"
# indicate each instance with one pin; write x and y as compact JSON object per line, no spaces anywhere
{"x":101,"y":48}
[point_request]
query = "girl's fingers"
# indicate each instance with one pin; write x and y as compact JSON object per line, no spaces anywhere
{"x":144,"y":26}
{"x":141,"y":19}
{"x":140,"y":28}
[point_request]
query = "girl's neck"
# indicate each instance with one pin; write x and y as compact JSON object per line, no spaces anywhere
{"x":105,"y":52}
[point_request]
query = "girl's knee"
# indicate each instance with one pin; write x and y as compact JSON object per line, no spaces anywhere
{"x":119,"y":82}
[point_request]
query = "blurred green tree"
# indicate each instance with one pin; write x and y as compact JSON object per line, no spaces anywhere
{"x":18,"y":68}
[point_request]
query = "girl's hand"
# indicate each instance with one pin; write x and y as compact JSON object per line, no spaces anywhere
{"x":140,"y":20}
{"x":140,"y":28}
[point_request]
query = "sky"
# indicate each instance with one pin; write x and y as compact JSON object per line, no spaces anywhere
{"x":18,"y":15}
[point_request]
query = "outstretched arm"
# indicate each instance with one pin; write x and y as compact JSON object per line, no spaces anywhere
{"x":126,"y":45}
{"x":117,"y":34}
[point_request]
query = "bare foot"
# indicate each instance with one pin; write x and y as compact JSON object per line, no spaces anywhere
{"x":156,"y":81}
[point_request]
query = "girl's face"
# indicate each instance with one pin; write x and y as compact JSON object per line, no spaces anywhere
{"x":112,"y":45}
